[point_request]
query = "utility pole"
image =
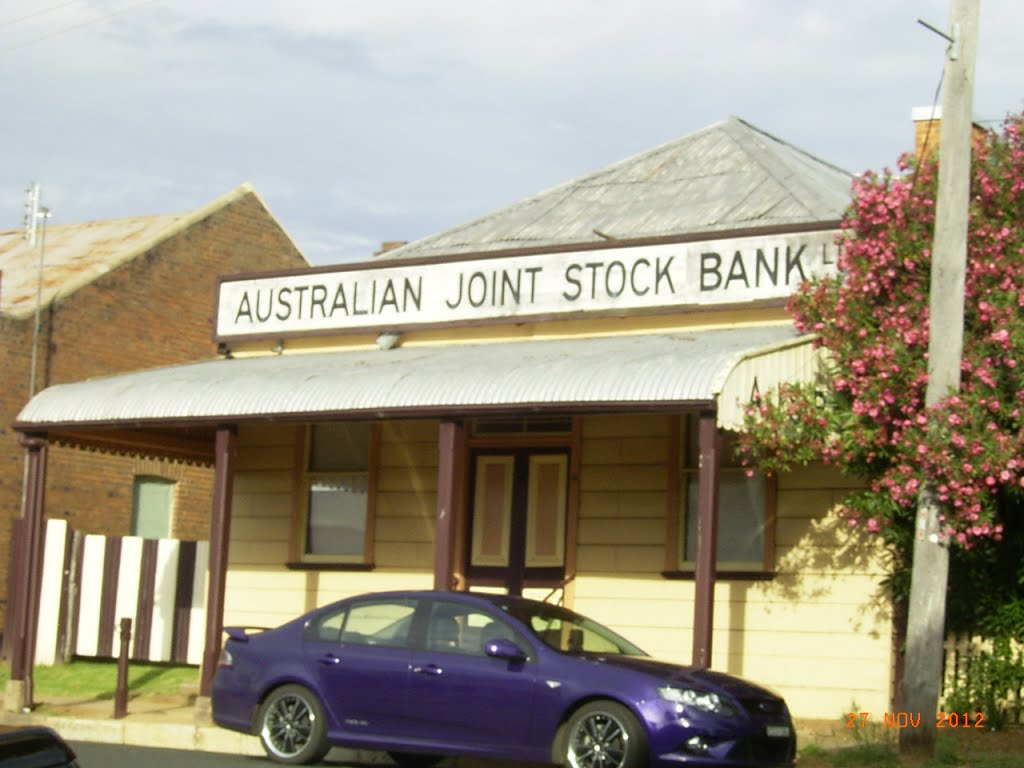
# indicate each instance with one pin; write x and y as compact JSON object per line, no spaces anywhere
{"x":926,"y":620}
{"x":34,"y":212}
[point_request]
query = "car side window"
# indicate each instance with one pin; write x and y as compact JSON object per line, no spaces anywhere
{"x":327,"y":626}
{"x":379,"y":622}
{"x":458,"y":628}
{"x":570,"y":636}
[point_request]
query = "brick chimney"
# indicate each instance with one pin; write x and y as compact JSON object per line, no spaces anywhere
{"x":389,"y":245}
{"x":927,"y":129}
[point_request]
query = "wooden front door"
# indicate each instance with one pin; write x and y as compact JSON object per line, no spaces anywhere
{"x":517,"y":515}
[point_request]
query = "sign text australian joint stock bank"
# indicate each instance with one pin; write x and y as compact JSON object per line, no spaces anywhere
{"x":393,"y":295}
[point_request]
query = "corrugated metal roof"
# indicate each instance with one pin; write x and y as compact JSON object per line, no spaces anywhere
{"x":642,"y":370}
{"x":77,"y":254}
{"x":728,"y":176}
{"x":760,"y":370}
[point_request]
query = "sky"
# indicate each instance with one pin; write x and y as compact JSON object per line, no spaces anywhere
{"x":361,"y":121}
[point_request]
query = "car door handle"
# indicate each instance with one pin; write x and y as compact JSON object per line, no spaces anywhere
{"x":328,"y":658}
{"x":430,"y":669}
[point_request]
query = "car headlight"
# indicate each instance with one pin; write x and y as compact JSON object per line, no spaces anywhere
{"x":705,"y":701}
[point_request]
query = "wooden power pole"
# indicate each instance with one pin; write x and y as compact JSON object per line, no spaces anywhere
{"x":926,"y":619}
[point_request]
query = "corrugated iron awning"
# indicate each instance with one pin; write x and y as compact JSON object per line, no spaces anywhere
{"x":620,"y":371}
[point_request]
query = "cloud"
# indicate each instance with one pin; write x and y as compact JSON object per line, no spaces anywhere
{"x":392,"y":119}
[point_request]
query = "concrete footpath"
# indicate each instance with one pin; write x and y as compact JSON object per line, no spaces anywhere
{"x":169,"y":721}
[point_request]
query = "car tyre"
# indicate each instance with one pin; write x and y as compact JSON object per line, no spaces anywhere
{"x":415,"y":759}
{"x":604,"y":734}
{"x":292,"y":727}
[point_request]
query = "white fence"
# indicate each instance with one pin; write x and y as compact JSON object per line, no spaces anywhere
{"x":89,"y":583}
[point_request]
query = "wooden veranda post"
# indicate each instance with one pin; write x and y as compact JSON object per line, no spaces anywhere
{"x":23,"y":650}
{"x":707,"y":539}
{"x":450,"y":436}
{"x":220,"y":535}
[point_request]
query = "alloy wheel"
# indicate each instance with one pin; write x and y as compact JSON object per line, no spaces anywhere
{"x":287,"y":725}
{"x":598,"y":741}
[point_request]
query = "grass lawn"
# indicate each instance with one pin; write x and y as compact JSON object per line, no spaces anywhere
{"x":978,"y":749}
{"x":93,"y":679}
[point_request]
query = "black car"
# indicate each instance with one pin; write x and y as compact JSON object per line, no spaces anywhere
{"x":34,"y":747}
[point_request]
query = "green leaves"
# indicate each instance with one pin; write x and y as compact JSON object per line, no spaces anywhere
{"x":869,"y":417}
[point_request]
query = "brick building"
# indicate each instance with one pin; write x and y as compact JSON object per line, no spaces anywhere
{"x":119,"y":296}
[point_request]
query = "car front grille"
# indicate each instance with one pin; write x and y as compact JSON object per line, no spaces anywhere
{"x":762,"y":707}
{"x":764,"y":749}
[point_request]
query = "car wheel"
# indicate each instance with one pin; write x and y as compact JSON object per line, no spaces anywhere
{"x":605,"y":734}
{"x":415,"y":760}
{"x":292,"y":726}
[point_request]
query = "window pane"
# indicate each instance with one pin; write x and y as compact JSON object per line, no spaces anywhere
{"x":327,"y":627}
{"x":379,"y":623}
{"x":730,"y":457}
{"x":152,"y":503}
{"x":515,"y":425}
{"x":337,"y":516}
{"x":458,"y":628}
{"x":740,"y":518}
{"x":571,"y":633}
{"x":343,"y":447}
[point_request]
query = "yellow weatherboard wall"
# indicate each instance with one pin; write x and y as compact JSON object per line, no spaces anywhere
{"x":818,"y":632}
{"x":524,"y":331}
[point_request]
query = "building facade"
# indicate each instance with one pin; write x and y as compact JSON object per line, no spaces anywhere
{"x":542,"y":401}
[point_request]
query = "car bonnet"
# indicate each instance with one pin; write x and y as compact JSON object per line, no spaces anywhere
{"x":675,"y":674}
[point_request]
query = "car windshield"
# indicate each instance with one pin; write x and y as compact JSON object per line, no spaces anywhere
{"x":569,"y":632}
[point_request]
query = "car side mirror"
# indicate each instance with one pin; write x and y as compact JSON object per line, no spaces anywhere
{"x":503,"y":648}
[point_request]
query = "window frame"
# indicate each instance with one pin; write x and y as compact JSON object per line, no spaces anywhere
{"x":166,"y":484}
{"x":676,"y":566}
{"x":304,"y":477}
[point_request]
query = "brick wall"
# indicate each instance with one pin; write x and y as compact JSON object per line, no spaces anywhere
{"x":15,"y":356}
{"x":155,"y":310}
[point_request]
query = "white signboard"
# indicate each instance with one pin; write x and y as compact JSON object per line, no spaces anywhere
{"x":612,"y":280}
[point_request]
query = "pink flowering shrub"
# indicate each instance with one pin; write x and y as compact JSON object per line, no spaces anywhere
{"x":869,"y":417}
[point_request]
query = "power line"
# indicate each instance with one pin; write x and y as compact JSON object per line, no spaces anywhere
{"x":73,"y":27}
{"x":12,"y":22}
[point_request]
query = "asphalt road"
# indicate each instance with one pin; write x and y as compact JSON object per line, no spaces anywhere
{"x":92,"y":755}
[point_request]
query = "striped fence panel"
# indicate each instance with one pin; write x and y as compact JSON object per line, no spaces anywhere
{"x":53,"y":587}
{"x":91,"y":582}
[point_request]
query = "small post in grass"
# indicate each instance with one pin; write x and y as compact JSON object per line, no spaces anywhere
{"x":121,"y":694}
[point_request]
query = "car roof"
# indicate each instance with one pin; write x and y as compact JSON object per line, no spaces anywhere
{"x":491,"y":598}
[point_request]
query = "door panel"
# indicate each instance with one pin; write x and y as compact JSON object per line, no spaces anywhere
{"x":492,"y":510}
{"x":518,"y":517}
{"x":545,"y":510}
{"x":458,"y":694}
{"x":364,"y":670}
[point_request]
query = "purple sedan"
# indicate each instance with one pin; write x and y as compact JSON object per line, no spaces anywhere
{"x":423,"y":675}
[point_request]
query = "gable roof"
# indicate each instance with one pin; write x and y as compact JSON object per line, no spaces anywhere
{"x":77,"y":254}
{"x":728,"y":176}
